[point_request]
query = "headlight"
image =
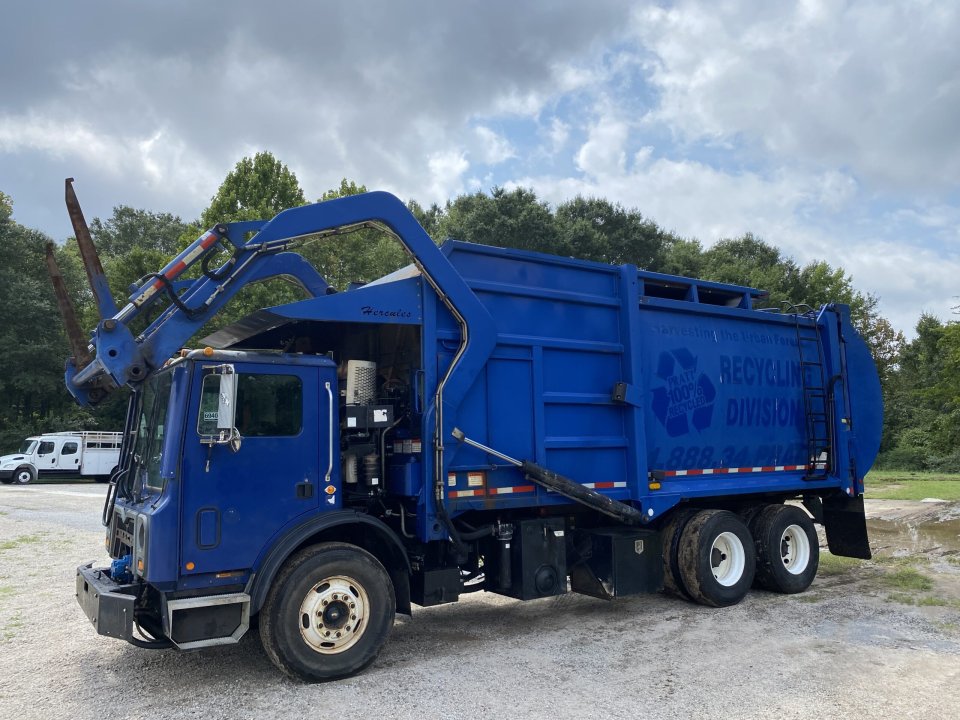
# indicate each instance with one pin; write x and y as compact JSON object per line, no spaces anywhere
{"x":8,"y":466}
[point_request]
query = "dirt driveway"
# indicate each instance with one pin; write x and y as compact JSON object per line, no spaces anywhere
{"x":879,"y":639}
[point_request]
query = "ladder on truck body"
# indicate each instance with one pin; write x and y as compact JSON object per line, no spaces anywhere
{"x":817,"y":402}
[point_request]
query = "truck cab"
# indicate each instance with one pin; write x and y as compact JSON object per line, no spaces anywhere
{"x":235,"y":457}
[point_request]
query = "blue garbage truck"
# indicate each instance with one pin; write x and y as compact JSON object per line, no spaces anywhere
{"x":484,"y":419}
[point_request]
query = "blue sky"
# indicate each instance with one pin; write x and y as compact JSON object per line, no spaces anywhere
{"x":827,"y":128}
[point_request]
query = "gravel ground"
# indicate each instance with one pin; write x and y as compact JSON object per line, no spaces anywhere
{"x":841,"y":650}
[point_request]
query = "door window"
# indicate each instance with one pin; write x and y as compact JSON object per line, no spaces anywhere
{"x":267,"y":406}
{"x":69,"y":448}
{"x":46,"y":447}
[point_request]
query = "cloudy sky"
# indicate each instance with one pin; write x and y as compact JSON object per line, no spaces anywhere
{"x":830,"y":129}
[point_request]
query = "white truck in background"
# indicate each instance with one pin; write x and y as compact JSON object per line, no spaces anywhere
{"x":63,"y":454}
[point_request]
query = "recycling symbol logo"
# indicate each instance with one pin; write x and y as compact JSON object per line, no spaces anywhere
{"x":686,"y":398}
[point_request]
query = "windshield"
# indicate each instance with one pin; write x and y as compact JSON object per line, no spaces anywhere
{"x":148,"y":443}
{"x":28,"y":446}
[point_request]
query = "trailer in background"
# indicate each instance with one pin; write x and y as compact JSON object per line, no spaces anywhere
{"x":63,"y":454}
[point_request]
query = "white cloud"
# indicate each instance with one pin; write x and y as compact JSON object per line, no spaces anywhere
{"x":558,"y":134}
{"x":446,"y":174}
{"x":493,"y":149}
{"x":872,"y":86}
{"x":604,"y":152}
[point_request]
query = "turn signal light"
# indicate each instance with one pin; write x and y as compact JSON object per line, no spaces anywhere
{"x":190,"y":566}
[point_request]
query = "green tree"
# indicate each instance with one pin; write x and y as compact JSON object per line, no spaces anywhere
{"x":920,"y":402}
{"x":514,"y":219}
{"x":256,"y":189}
{"x":31,"y":374}
{"x":596,"y":229}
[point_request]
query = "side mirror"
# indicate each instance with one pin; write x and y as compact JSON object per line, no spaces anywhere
{"x":216,"y":422}
{"x":227,"y":401}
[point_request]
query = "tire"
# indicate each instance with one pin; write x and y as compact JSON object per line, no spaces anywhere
{"x":24,"y":475}
{"x":788,"y":551}
{"x":717,"y":558}
{"x":328,"y":613}
{"x":670,"y":540}
{"x":105,"y":478}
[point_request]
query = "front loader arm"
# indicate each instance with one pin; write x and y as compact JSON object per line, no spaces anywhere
{"x":117,"y":357}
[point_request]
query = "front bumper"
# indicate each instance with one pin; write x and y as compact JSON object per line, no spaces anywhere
{"x":107,"y":603}
{"x":7,"y":475}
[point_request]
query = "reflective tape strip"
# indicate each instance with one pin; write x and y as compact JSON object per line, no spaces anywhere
{"x":605,"y":485}
{"x":205,"y":242}
{"x":465,"y":493}
{"x":512,"y":490}
{"x":727,"y":471}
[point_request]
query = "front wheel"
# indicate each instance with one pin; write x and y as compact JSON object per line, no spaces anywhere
{"x":788,"y":551}
{"x":328,"y":613}
{"x":716,"y":557}
{"x":24,"y":475}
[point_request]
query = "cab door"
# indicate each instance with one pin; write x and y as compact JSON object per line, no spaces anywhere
{"x":48,"y":455}
{"x":70,"y":456}
{"x":235,"y":499}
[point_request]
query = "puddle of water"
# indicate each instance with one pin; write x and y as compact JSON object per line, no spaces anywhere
{"x":903,"y":537}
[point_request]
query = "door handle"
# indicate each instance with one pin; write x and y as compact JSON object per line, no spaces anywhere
{"x":304,"y":490}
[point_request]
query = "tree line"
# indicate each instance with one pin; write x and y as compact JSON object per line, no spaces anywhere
{"x":920,"y":378}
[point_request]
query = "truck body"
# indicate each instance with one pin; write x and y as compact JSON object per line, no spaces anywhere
{"x":484,"y":419}
{"x":63,"y":454}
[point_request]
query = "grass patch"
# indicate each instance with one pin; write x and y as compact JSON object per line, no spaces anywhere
{"x":937,"y":602}
{"x":906,"y":578}
{"x":835,"y":565}
{"x":901,"y":598}
{"x":20,"y":542}
{"x":911,"y":485}
{"x":6,"y":590}
{"x":901,"y":560}
{"x":11,"y":628}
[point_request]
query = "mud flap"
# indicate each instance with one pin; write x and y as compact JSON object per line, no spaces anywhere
{"x":846,"y":526}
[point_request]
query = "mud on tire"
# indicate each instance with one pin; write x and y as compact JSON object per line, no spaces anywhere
{"x":670,"y":539}
{"x":788,"y":551}
{"x":717,"y":558}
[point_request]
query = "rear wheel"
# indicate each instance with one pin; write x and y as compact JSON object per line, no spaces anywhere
{"x":24,"y":475}
{"x":670,"y":539}
{"x":105,"y":478}
{"x":788,"y":552}
{"x":716,"y":557}
{"x":328,"y":612}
